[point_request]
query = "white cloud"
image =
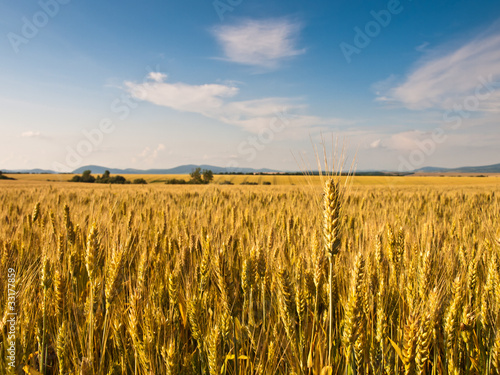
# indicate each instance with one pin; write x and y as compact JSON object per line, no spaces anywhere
{"x":182,"y":97}
{"x":405,"y":141}
{"x":451,"y":78}
{"x":157,"y":76}
{"x":400,"y":142}
{"x":214,"y":101}
{"x":149,"y":155}
{"x":31,"y":134}
{"x":262,"y":43}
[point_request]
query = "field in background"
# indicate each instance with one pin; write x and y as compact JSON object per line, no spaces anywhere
{"x":493,"y":180}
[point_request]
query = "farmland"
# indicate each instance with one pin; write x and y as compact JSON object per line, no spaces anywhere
{"x":411,"y":180}
{"x":391,"y":275}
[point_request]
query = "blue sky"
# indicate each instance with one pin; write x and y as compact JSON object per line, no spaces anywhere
{"x":248,"y":83}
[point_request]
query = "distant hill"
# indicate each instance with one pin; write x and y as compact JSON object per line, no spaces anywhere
{"x":186,"y":169}
{"x":494,"y":168}
{"x":429,"y":170}
{"x":182,"y":169}
{"x":36,"y":170}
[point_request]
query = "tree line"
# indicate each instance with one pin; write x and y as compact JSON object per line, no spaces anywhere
{"x":106,"y":178}
{"x":197,"y":175}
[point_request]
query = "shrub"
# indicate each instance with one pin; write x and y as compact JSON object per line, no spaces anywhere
{"x":85,"y":177}
{"x":201,"y":177}
{"x":4,"y":177}
{"x":175,"y":181}
{"x":207,"y":176}
{"x":106,"y":179}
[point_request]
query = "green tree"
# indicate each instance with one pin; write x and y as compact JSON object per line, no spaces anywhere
{"x":87,"y":177}
{"x":104,"y":179}
{"x":207,"y":176}
{"x":196,"y":176}
{"x":117,"y":180}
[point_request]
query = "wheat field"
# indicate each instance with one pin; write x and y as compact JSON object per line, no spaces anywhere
{"x":377,"y":278}
{"x":492,"y":180}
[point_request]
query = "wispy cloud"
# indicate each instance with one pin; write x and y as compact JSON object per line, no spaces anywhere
{"x":33,"y":134}
{"x":402,"y":141}
{"x":215,"y":101}
{"x":149,"y":155}
{"x":157,"y":76}
{"x":181,"y":96}
{"x":444,"y":80}
{"x":262,"y":43}
{"x":422,"y":47}
{"x":376,"y":143}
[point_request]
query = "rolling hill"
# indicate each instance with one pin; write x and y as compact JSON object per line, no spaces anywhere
{"x":186,"y":169}
{"x":494,"y":168}
{"x":182,"y":169}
